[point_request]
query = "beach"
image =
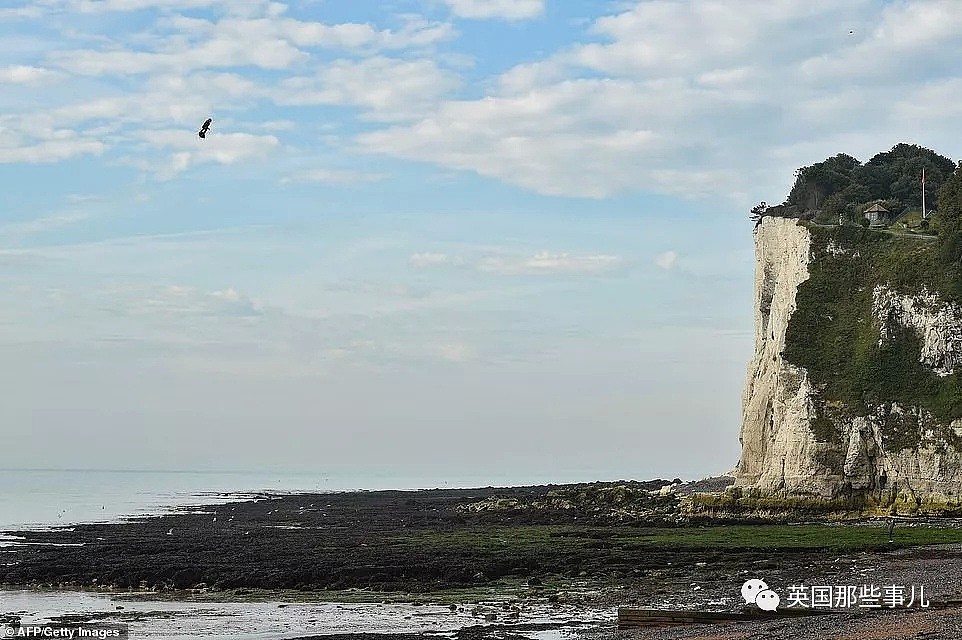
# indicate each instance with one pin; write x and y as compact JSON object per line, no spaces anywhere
{"x":531,"y":562}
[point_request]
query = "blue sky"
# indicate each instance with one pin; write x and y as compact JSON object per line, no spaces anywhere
{"x":503,"y":237}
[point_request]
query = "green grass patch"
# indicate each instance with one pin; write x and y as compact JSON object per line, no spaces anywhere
{"x":834,"y":336}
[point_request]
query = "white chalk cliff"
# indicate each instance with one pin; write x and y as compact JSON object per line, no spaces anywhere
{"x":781,"y":454}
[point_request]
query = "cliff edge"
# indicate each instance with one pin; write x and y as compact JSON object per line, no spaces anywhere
{"x":854,"y":392}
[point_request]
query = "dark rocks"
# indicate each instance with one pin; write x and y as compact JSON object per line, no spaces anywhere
{"x":355,"y":541}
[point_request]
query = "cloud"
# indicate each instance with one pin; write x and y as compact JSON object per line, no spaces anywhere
{"x":161,"y":315}
{"x":543,"y":263}
{"x":270,"y":42}
{"x":503,"y":9}
{"x":179,"y":300}
{"x":65,"y":145}
{"x":92,"y":126}
{"x":427,"y":259}
{"x":666,"y":260}
{"x":227,"y":148}
{"x":333,"y":177}
{"x":719,"y":99}
{"x":24,"y":74}
{"x":549,"y":263}
{"x":80,"y":198}
{"x":20,"y":13}
{"x":537,"y":141}
{"x":98,"y":6}
{"x":905,"y":38}
{"x":699,"y":99}
{"x":385,"y":88}
{"x":276,"y":125}
{"x":455,"y":352}
{"x":40,"y":225}
{"x":267,"y":53}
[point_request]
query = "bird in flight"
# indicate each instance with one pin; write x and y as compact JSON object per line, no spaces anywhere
{"x":204,"y":128}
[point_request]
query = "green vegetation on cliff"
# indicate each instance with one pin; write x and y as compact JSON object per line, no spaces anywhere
{"x":834,"y":335}
{"x":950,"y":230}
{"x":841,"y":186}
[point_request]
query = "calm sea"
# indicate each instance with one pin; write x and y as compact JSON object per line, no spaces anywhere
{"x":39,"y":498}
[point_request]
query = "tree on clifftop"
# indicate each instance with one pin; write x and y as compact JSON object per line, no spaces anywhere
{"x":816,"y":183}
{"x":950,"y":219}
{"x":758,"y":212}
{"x":841,"y":187}
{"x":899,"y":171}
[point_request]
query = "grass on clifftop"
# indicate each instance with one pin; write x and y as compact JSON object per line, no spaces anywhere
{"x":835,"y":337}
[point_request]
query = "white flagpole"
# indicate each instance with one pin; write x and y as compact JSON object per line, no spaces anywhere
{"x":923,"y":193}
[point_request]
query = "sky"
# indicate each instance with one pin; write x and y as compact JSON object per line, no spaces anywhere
{"x":494,"y":237}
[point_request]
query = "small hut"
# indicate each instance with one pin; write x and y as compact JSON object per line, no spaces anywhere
{"x":878,"y":216}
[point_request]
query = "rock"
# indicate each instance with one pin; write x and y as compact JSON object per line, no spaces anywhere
{"x":776,"y":439}
{"x":186,"y":578}
{"x":937,"y":324}
{"x":782,"y":409}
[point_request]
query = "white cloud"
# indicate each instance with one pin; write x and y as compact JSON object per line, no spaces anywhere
{"x":906,"y":38}
{"x":333,"y":176}
{"x":545,"y":263}
{"x":386,"y":88}
{"x":276,"y":125}
{"x":39,"y":225}
{"x":51,"y":150}
{"x":415,"y":32}
{"x":96,"y":6}
{"x":428,"y":259}
{"x":504,"y":9}
{"x":666,"y":260}
{"x":557,"y":141}
{"x":701,"y":99}
{"x":23,"y":74}
{"x":549,"y":263}
{"x":20,"y":13}
{"x":188,"y":151}
{"x":455,"y":352}
{"x":163,"y":99}
{"x":180,"y":300}
{"x":80,"y":198}
{"x":267,"y":53}
{"x":247,"y":8}
{"x":268,"y":42}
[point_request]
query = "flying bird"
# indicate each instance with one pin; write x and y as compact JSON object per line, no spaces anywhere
{"x":204,"y":128}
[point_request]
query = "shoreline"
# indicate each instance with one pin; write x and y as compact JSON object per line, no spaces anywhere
{"x":575,"y":551}
{"x":44,"y":498}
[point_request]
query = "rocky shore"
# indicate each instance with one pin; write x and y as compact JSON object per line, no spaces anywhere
{"x":509,"y":563}
{"x":380,"y":540}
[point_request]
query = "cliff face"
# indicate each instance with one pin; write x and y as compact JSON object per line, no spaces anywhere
{"x":853,"y":390}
